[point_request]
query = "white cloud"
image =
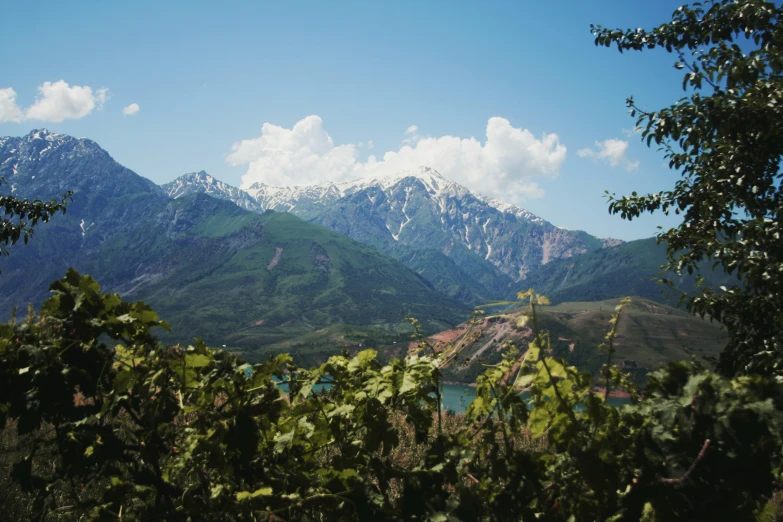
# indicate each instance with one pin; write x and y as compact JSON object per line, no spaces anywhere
{"x":57,"y":101}
{"x":612,"y":151}
{"x":9,"y":110}
{"x":500,"y":167}
{"x":412,"y":134}
{"x":131,"y":109}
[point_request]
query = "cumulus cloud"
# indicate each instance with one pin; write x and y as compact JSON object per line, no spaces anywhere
{"x":413,"y":129}
{"x":57,"y":101}
{"x":131,"y":109}
{"x":500,"y":167}
{"x":302,"y":155}
{"x":9,"y":110}
{"x":610,"y":150}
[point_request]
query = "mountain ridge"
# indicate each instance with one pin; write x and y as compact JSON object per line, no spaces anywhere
{"x":202,"y":182}
{"x":496,"y":244}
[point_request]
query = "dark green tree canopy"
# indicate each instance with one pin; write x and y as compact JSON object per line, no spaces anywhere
{"x":726,"y":139}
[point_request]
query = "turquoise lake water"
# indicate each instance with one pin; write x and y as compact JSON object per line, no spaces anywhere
{"x":457,"y":397}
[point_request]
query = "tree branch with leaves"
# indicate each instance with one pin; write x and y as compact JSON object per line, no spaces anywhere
{"x":725,"y":137}
{"x":20,"y":216}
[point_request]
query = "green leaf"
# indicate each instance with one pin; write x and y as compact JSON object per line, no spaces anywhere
{"x":538,"y":422}
{"x":244,"y":496}
{"x":409,"y":382}
{"x":124,"y":380}
{"x":195,"y":360}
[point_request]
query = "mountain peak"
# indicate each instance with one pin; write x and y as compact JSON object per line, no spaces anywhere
{"x":425,"y":171}
{"x":200,"y":175}
{"x":201,"y":182}
{"x":43,"y":140}
{"x":425,"y":174}
{"x":43,"y":134}
{"x":43,"y":164}
{"x":36,"y":134}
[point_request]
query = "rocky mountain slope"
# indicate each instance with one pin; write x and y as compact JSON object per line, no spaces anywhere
{"x":201,"y":182}
{"x":470,"y":247}
{"x":210,"y":268}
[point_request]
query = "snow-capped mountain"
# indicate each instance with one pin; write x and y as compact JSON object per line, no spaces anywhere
{"x":306,"y":202}
{"x":315,"y":198}
{"x":467,"y":245}
{"x":204,"y":183}
{"x":423,"y":210}
{"x":45,"y":163}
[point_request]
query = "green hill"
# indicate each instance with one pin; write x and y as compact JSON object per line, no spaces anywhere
{"x":279,"y":277}
{"x":649,"y":336}
{"x":626,"y":269}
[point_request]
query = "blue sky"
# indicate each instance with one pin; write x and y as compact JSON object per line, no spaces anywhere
{"x":206,"y":76}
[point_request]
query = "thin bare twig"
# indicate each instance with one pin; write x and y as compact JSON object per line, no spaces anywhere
{"x":680,"y":481}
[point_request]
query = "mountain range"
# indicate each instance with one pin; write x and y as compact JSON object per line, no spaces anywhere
{"x":210,"y":268}
{"x":275,"y":266}
{"x":470,"y":247}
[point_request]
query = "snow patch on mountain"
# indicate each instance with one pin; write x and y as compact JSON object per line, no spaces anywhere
{"x":419,"y":208}
{"x":204,"y":183}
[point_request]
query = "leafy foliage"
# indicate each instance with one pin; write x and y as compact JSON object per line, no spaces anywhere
{"x":20,"y":216}
{"x":123,"y":426}
{"x":117,"y":425}
{"x":726,"y":139}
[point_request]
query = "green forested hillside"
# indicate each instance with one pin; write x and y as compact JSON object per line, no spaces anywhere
{"x":279,"y":277}
{"x":628,"y":269}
